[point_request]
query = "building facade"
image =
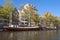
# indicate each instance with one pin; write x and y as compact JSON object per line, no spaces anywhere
{"x":23,"y":19}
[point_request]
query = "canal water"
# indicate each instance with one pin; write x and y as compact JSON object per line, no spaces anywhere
{"x":31,"y":35}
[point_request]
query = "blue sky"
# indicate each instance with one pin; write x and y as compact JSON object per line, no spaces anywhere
{"x":42,"y":6}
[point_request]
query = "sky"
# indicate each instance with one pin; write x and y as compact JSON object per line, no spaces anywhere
{"x":42,"y":6}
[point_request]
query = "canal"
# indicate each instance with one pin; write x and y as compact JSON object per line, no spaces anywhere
{"x":31,"y":35}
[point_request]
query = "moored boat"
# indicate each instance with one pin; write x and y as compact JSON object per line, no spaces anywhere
{"x":22,"y":28}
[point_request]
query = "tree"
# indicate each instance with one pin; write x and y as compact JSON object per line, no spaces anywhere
{"x":7,"y":11}
{"x":51,"y":19}
{"x":56,"y":21}
{"x":1,"y":14}
{"x":36,"y":19}
{"x":31,"y":14}
{"x":48,"y":18}
{"x":7,"y":8}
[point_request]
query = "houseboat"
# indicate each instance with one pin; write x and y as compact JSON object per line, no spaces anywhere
{"x":21,"y":28}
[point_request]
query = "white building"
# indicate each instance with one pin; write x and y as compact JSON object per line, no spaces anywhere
{"x":22,"y":18}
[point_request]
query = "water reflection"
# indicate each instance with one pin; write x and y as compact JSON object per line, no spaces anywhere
{"x":47,"y":35}
{"x":31,"y":35}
